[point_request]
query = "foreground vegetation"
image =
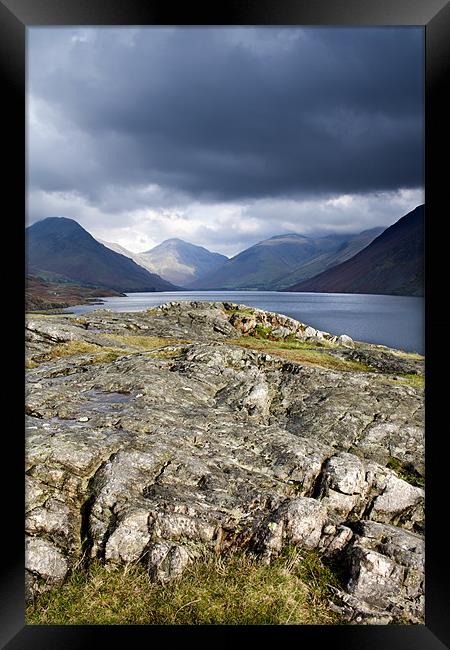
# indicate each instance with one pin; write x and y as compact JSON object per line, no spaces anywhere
{"x":232,"y":589}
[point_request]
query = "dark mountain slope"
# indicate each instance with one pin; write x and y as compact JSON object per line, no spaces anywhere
{"x":60,"y":246}
{"x":391,"y":264}
{"x":349,"y":247}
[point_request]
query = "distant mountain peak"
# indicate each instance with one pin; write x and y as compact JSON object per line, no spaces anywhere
{"x":176,"y":241}
{"x":180,"y":261}
{"x":287,"y":235}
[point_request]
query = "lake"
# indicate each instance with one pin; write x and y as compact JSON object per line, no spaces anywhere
{"x":396,"y":321}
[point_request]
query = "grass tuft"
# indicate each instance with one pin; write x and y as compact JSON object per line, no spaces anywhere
{"x":73,"y":348}
{"x":229,"y":589}
{"x":261,"y":332}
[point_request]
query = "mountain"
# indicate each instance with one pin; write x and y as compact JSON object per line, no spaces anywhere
{"x":181,"y":262}
{"x":266,"y":263}
{"x":59,"y":248}
{"x":391,"y":264}
{"x":136,"y":257}
{"x":348,"y":248}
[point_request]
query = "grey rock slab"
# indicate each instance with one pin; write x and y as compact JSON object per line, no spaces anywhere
{"x":382,"y":361}
{"x":398,"y":499}
{"x":345,"y":473}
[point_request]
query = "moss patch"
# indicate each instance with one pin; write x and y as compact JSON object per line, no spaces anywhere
{"x":406,"y":472}
{"x":232,"y":589}
{"x":29,"y":363}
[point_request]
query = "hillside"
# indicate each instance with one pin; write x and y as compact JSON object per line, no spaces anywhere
{"x":58,"y":245}
{"x":43,"y":295}
{"x":136,"y":257}
{"x":391,"y":264}
{"x":345,"y":251}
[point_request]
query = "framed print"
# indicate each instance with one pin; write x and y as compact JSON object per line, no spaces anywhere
{"x":233,"y":298}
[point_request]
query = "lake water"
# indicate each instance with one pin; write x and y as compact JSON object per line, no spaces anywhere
{"x":396,"y":321}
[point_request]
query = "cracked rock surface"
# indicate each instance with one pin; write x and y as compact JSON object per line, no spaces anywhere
{"x":154,"y":453}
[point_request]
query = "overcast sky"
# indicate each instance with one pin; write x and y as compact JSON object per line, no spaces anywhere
{"x":224,"y":136}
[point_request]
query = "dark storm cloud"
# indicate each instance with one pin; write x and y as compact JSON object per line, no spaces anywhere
{"x":228,"y":114}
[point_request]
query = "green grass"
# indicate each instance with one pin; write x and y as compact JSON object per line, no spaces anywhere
{"x":261,"y":332}
{"x":229,"y":589}
{"x":301,"y":352}
{"x":409,"y":355}
{"x":51,"y":311}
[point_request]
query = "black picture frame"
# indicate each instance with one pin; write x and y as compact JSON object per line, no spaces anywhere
{"x":434,"y":16}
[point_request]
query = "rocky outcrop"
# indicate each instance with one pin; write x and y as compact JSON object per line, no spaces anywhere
{"x":158,"y":453}
{"x":251,"y":321}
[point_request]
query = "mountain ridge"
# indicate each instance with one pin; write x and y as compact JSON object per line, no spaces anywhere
{"x":391,"y":264}
{"x":266,"y":264}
